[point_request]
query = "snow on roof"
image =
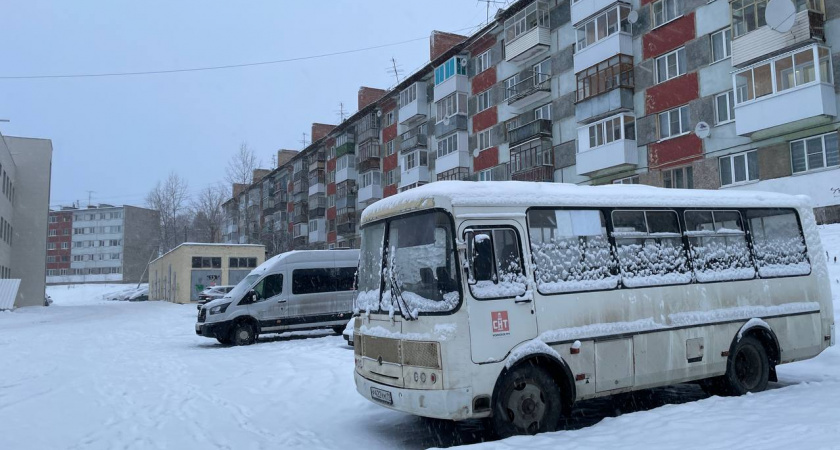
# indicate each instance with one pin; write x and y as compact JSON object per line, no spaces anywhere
{"x":525,"y":194}
{"x":343,"y":255}
{"x":205,"y":244}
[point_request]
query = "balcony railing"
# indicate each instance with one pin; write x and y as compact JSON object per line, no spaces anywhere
{"x":529,"y":90}
{"x":538,"y":173}
{"x":367,"y":164}
{"x":370,"y":133}
{"x":410,"y":143}
{"x":318,"y":164}
{"x":500,"y":172}
{"x":537,"y":128}
{"x":346,"y":148}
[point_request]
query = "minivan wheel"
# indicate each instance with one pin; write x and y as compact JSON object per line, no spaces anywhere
{"x":338,"y":330}
{"x":528,"y":402}
{"x":243,"y":334}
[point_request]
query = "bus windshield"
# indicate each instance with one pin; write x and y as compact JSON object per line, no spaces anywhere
{"x":419,"y":273}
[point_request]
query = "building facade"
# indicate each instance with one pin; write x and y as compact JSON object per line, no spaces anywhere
{"x":693,"y":94}
{"x":99,"y":244}
{"x":25,"y":173}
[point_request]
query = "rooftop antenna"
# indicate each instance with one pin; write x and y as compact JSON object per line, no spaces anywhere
{"x":395,"y":69}
{"x":488,"y":3}
{"x":303,"y":141}
{"x":342,"y":114}
{"x":89,"y":196}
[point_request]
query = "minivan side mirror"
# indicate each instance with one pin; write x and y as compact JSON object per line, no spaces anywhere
{"x":251,"y":296}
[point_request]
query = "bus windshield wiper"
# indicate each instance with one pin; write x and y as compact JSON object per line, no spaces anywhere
{"x":396,"y":294}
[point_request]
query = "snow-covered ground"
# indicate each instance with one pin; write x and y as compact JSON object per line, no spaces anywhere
{"x":90,"y":373}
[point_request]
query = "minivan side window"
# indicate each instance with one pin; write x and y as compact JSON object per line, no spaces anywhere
{"x":270,"y":286}
{"x":314,"y":281}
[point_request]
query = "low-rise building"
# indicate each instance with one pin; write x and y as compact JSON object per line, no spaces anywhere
{"x":180,"y":274}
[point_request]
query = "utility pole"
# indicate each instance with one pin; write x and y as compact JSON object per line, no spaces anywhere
{"x":89,"y":196}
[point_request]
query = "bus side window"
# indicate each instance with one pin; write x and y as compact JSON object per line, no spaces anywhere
{"x":649,"y":248}
{"x":778,"y":244}
{"x":718,"y":244}
{"x":496,"y":263}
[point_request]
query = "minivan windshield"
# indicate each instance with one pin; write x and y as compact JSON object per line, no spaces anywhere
{"x":419,"y":271}
{"x":240,"y":289}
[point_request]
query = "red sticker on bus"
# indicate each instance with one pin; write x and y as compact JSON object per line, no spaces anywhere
{"x":500,"y":322}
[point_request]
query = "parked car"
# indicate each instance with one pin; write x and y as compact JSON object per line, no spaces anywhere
{"x":139,"y":295}
{"x":213,"y":292}
{"x":293,"y":291}
{"x":348,"y":332}
{"x":48,"y":300}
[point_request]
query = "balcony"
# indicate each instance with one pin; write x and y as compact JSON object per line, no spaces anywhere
{"x":608,"y":103}
{"x":527,"y":33}
{"x":346,"y":221}
{"x":318,"y":188}
{"x":368,"y":157}
{"x":414,"y":104}
{"x":366,"y":135}
{"x":583,"y":9}
{"x":346,"y":148}
{"x":419,"y":174}
{"x":537,"y":173}
{"x":371,"y":192}
{"x":531,"y":130}
{"x":319,"y":234}
{"x":301,"y":216}
{"x":615,"y":44}
{"x":413,"y":138}
{"x":807,"y":26}
{"x":348,"y":201}
{"x":318,"y":164}
{"x":347,"y":173}
{"x":500,"y":172}
{"x":455,"y":122}
{"x":787,"y":92}
{"x":535,"y":88}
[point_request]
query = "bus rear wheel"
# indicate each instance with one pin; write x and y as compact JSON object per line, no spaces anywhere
{"x":528,"y":402}
{"x":748,"y":370}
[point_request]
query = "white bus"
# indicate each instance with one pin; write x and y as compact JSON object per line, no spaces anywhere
{"x":513,"y":300}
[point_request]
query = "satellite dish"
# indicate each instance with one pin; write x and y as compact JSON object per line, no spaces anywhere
{"x":780,"y":15}
{"x":702,"y":130}
{"x":476,"y":152}
{"x":463,"y":62}
{"x":379,"y":113}
{"x":446,"y":120}
{"x":633,"y":16}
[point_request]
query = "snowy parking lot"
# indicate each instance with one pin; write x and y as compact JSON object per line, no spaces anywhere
{"x":90,"y":373}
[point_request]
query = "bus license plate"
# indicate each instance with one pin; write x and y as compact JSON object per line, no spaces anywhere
{"x":381,"y":396}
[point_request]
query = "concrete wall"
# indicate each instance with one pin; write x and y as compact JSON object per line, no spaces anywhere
{"x":170,"y":275}
{"x":33,"y":158}
{"x":140,"y":242}
{"x":7,"y":210}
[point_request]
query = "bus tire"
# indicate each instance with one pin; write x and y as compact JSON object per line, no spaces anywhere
{"x":243,"y":333}
{"x":748,"y":368}
{"x":528,"y":401}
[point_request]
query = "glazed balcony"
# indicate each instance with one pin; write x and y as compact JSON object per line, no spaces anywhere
{"x":808,"y":26}
{"x":531,"y":130}
{"x":527,"y":33}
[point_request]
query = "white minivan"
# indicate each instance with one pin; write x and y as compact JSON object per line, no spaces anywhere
{"x":293,"y":291}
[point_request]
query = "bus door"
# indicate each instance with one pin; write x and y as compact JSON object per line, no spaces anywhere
{"x":500,"y":302}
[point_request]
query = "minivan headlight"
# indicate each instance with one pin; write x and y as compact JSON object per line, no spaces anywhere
{"x":219,"y":309}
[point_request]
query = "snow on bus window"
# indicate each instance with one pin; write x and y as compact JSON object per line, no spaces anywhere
{"x":370,"y":268}
{"x":571,"y":251}
{"x":719,"y":250}
{"x":649,"y":248}
{"x":497,"y":265}
{"x":777,"y":243}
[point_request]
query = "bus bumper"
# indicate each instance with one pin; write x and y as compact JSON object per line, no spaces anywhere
{"x":452,"y":404}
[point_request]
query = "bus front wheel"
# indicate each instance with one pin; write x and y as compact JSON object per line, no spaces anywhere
{"x":528,"y":402}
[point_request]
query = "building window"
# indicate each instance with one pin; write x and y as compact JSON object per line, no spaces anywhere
{"x":65,"y":245}
{"x":670,"y":65}
{"x":543,"y":112}
{"x":739,"y":168}
{"x":447,"y":145}
{"x":483,"y":100}
{"x":389,"y":148}
{"x":533,"y":16}
{"x":783,"y":73}
{"x":725,"y":107}
{"x":531,"y":154}
{"x":542,"y":71}
{"x":415,"y":159}
{"x":454,"y":66}
{"x":53,"y":219}
{"x":721,"y":44}
{"x":747,"y":15}
{"x":680,"y":178}
{"x":482,"y":62}
{"x":483,"y":140}
{"x":605,"y":76}
{"x":53,"y":232}
{"x":602,"y":26}
{"x":664,"y":11}
{"x":455,"y":103}
{"x":50,"y":245}
{"x":391,"y":177}
{"x":628,"y":180}
{"x":814,"y":153}
{"x":372,"y":178}
{"x":389,"y":118}
{"x":673,"y":123}
{"x":408,"y":95}
{"x":458,"y":173}
{"x":509,"y":85}
{"x":485,"y":175}
{"x":612,"y":129}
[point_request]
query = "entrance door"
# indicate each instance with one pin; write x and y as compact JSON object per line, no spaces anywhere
{"x":270,"y":305}
{"x":500,"y":304}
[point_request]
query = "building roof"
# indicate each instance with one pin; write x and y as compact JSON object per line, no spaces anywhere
{"x":206,"y":244}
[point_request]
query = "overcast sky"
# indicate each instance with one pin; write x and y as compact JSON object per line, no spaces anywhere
{"x":117,"y":136}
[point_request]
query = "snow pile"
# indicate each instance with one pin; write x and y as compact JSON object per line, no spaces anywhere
{"x":441,"y":332}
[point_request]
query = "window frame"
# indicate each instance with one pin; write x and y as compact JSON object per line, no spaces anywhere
{"x":730,"y":107}
{"x":727,"y":44}
{"x":687,"y":175}
{"x":483,"y":101}
{"x":676,"y":7}
{"x":475,"y":227}
{"x":804,"y":142}
{"x":680,"y":64}
{"x":731,"y":164}
{"x":482,"y":62}
{"x":678,"y":111}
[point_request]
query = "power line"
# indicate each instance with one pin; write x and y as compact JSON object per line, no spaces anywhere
{"x":219,"y":67}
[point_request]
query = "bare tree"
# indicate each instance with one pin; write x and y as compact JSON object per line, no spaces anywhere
{"x":208,"y":213}
{"x":240,"y":168}
{"x":169,"y":198}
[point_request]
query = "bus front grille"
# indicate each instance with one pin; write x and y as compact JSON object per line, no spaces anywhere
{"x":421,"y":354}
{"x":386,"y":349}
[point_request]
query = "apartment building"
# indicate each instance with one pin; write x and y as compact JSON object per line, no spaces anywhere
{"x":25,"y":173}
{"x":101,"y":243}
{"x":699,"y":94}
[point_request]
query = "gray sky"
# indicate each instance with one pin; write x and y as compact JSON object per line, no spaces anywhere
{"x":118,"y":135}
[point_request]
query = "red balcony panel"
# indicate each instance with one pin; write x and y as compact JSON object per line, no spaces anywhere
{"x":390,"y":162}
{"x":389,"y":190}
{"x":672,"y":93}
{"x":389,"y":132}
{"x":290,"y":207}
{"x":483,"y":81}
{"x":485,"y":119}
{"x":331,"y":189}
{"x":329,"y":142}
{"x":291,"y":227}
{"x":331,"y":213}
{"x":668,"y":37}
{"x":675,"y":152}
{"x":331,"y":237}
{"x":331,"y":165}
{"x":486,"y":159}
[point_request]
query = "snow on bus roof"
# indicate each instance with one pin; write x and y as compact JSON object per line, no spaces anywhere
{"x":526,"y":193}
